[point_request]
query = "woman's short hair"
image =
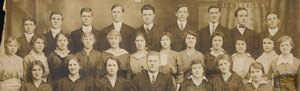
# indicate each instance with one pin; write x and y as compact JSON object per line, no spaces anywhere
{"x":72,"y":57}
{"x":224,"y":57}
{"x":11,"y":39}
{"x":285,"y":38}
{"x":194,"y":62}
{"x":62,"y":34}
{"x":38,"y":36}
{"x":112,"y":58}
{"x":268,"y":36}
{"x":31,"y":65}
{"x":165,"y":34}
{"x":88,"y":34}
{"x":143,"y":36}
{"x":193,"y":33}
{"x":217,"y":34}
{"x":114,"y":33}
{"x":257,"y":65}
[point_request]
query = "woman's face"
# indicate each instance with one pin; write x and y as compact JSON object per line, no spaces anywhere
{"x":224,"y":66}
{"x":88,"y":41}
{"x":39,"y":45}
{"x":268,"y":45}
{"x":285,"y":47}
{"x":197,"y":70}
{"x":217,"y":42}
{"x":140,"y":42}
{"x":37,"y":72}
{"x":190,"y":41}
{"x":240,"y":46}
{"x":73,"y":67}
{"x":165,"y":42}
{"x":112,"y":67}
{"x":62,"y":42}
{"x":11,"y":48}
{"x":114,"y":41}
{"x":256,"y":74}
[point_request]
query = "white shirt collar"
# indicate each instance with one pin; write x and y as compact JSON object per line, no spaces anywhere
{"x":211,"y":27}
{"x":212,"y":52}
{"x":261,"y":82}
{"x":204,"y":78}
{"x":87,"y":28}
{"x":55,"y":31}
{"x":288,"y":60}
{"x":28,"y":36}
{"x":148,"y":26}
{"x":117,"y":26}
{"x":273,"y":31}
{"x":151,"y":74}
{"x":241,"y":30}
{"x":180,"y":22}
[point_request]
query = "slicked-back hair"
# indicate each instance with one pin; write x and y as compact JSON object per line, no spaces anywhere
{"x":86,"y":9}
{"x":239,"y":9}
{"x":147,"y":7}
{"x":213,"y":6}
{"x":115,"y":6}
{"x":53,"y":13}
{"x":29,"y":19}
{"x":182,"y":5}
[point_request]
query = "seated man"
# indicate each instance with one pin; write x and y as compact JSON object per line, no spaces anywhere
{"x":153,"y":80}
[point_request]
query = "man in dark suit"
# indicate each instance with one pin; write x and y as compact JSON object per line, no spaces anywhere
{"x":204,"y":43}
{"x":24,"y":40}
{"x":127,"y":32}
{"x":151,"y":31}
{"x":241,"y":15}
{"x":272,"y":22}
{"x":87,"y":19}
{"x":152,"y":80}
{"x":180,"y":28}
{"x":56,"y":20}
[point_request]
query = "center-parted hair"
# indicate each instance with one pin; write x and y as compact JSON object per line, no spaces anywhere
{"x":11,"y":39}
{"x":65,"y":35}
{"x":31,"y":65}
{"x":168,"y":34}
{"x":148,"y":7}
{"x":239,"y":9}
{"x":113,"y":33}
{"x":73,"y":57}
{"x":257,"y":65}
{"x":217,"y":34}
{"x":224,"y":57}
{"x":38,"y":36}
{"x":114,"y":59}
{"x":115,"y":6}
{"x":86,"y":9}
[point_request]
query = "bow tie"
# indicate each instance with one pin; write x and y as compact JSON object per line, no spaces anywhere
{"x":242,"y":26}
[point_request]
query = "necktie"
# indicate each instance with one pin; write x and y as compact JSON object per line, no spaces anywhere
{"x":153,"y":79}
{"x":147,"y":29}
{"x":213,"y":28}
{"x":241,"y":26}
{"x":181,"y":26}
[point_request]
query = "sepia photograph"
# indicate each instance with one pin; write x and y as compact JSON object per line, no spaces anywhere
{"x":150,"y":45}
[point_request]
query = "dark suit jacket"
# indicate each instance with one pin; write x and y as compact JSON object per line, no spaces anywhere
{"x":76,"y":38}
{"x":50,"y":44}
{"x":204,"y":44}
{"x":263,"y":34}
{"x":152,"y":37}
{"x":25,"y":46}
{"x":104,"y":85}
{"x":127,"y":33}
{"x":178,"y":43}
{"x":251,"y":40}
{"x":163,"y":82}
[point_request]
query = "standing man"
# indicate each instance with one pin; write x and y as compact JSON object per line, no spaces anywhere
{"x":180,"y":28}
{"x":241,"y":15}
{"x":24,"y":40}
{"x":87,"y":18}
{"x":151,"y":31}
{"x":152,"y":80}
{"x":56,"y":24}
{"x":272,"y":22}
{"x":127,"y":32}
{"x":214,"y":26}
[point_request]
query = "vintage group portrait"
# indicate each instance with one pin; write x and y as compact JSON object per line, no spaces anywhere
{"x":150,"y":45}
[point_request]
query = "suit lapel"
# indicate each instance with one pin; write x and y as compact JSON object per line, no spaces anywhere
{"x":147,"y":80}
{"x":179,"y":32}
{"x":123,"y":30}
{"x":158,"y":81}
{"x":24,"y":41}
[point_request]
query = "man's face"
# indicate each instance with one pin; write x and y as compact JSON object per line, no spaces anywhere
{"x":56,"y":21}
{"x":87,"y":18}
{"x":117,"y":14}
{"x":29,"y":27}
{"x":214,"y":15}
{"x":242,"y":17}
{"x":153,"y":63}
{"x":148,"y":16}
{"x":182,"y":13}
{"x":272,"y":21}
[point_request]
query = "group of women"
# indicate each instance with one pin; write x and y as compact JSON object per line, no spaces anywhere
{"x":113,"y":69}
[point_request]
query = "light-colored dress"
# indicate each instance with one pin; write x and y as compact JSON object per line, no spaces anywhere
{"x":137,"y":64}
{"x":266,"y":60}
{"x":11,"y":73}
{"x":241,"y":65}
